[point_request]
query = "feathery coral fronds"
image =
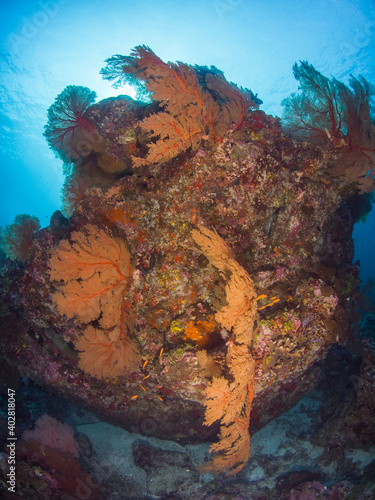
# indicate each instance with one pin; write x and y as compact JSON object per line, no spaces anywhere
{"x":106,"y":354}
{"x":318,"y":107}
{"x":213,"y":247}
{"x":175,"y":86}
{"x":196,"y":103}
{"x":175,"y":134}
{"x":217,"y":399}
{"x":73,"y":192}
{"x":233,"y":449}
{"x":66,"y":120}
{"x":328,"y":110}
{"x":93,"y":271}
{"x":239,"y":308}
{"x":235,"y":101}
{"x":230,"y":402}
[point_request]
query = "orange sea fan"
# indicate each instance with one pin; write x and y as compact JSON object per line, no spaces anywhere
{"x":175,"y":134}
{"x":217,"y":400}
{"x":93,"y":270}
{"x":232,"y":451}
{"x":186,"y":109}
{"x":236,"y":101}
{"x":106,"y":354}
{"x":197,"y":103}
{"x":230,"y":402}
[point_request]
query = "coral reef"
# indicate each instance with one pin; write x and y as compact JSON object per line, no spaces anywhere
{"x":205,"y":271}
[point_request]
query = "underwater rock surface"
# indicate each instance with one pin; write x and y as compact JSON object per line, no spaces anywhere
{"x":275,"y":205}
{"x":195,"y":292}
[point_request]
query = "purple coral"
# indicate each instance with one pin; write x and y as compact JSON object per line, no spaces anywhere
{"x":51,"y":433}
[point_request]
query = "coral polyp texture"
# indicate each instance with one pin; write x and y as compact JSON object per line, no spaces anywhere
{"x":206,"y":268}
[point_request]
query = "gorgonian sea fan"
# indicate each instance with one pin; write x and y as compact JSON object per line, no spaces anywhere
{"x":66,"y":118}
{"x":196,"y":104}
{"x":16,"y":240}
{"x":329,"y":112}
{"x":92,"y":272}
{"x":50,"y":433}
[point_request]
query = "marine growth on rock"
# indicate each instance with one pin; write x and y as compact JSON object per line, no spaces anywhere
{"x":206,"y":265}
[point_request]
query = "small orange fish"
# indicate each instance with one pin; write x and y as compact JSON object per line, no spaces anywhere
{"x":263,"y":296}
{"x":143,"y":387}
{"x":161,"y":352}
{"x":161,"y":399}
{"x":263,"y":307}
{"x":144,"y":364}
{"x":144,"y":378}
{"x":269,"y":304}
{"x":134,"y":397}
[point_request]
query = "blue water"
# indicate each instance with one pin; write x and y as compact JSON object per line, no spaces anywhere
{"x":46,"y":45}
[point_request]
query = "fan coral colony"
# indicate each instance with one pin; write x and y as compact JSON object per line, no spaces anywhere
{"x":206,"y":265}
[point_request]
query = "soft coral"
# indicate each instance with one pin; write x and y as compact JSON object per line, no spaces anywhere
{"x":16,"y":241}
{"x":328,"y":111}
{"x":197,"y":103}
{"x":93,"y":271}
{"x":67,"y":123}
